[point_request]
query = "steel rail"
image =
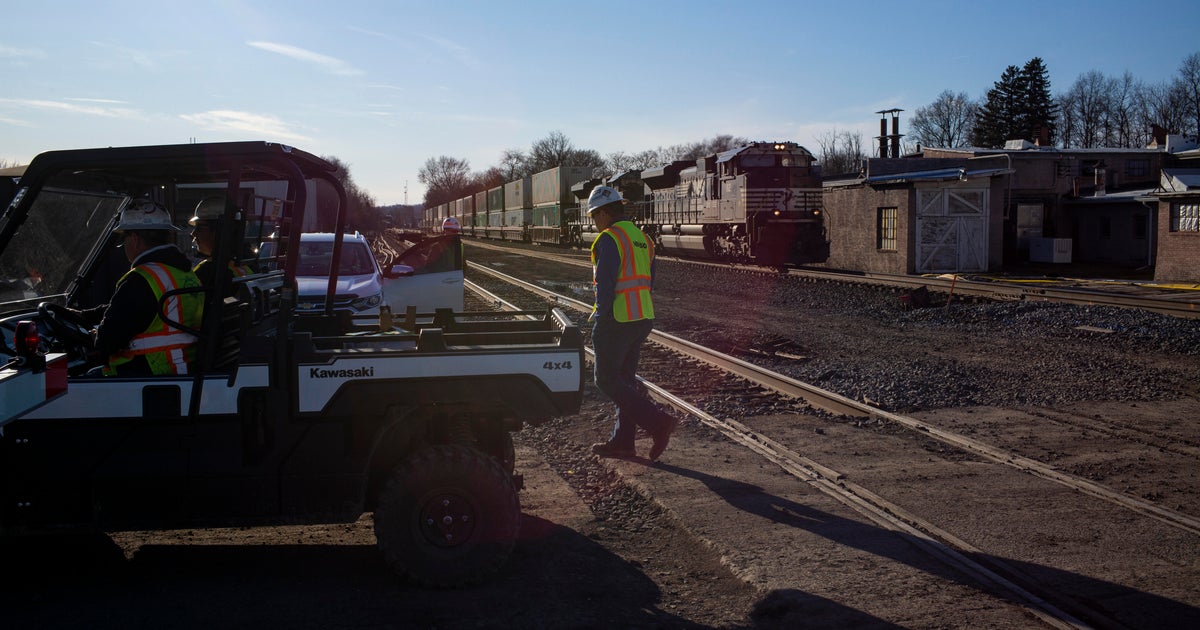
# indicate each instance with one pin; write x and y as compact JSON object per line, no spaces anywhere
{"x":957,"y":284}
{"x":939,"y":543}
{"x":841,"y":405}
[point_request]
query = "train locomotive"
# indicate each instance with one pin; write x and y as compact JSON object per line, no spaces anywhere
{"x":758,"y":203}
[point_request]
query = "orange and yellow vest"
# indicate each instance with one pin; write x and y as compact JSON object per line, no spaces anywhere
{"x":167,"y":350}
{"x":633,"y":301}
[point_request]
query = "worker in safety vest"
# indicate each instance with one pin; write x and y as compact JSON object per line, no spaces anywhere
{"x":131,"y":336}
{"x":205,"y":223}
{"x":623,"y":315}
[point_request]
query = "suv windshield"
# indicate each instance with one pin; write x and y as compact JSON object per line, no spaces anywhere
{"x":316,"y":256}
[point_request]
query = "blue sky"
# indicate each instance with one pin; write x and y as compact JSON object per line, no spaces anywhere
{"x":385,"y":85}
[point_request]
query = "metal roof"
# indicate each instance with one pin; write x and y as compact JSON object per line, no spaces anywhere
{"x":941,"y":174}
{"x":725,"y":156}
{"x":1114,"y":196}
{"x":1177,"y":180}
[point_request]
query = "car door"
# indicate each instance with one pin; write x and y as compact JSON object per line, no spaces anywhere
{"x":428,"y":275}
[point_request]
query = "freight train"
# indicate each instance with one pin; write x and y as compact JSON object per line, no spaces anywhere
{"x":759,"y":203}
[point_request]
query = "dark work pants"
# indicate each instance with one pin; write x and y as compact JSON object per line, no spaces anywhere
{"x":617,"y":346}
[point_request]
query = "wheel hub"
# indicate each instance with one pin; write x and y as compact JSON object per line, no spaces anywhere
{"x":447,"y":520}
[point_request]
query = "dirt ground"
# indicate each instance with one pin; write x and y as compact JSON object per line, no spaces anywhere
{"x":627,"y":564}
{"x":709,"y":537}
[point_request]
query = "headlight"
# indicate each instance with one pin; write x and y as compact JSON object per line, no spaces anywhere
{"x":364,"y":303}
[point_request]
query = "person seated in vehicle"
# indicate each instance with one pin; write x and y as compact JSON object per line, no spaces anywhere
{"x":131,"y":337}
{"x":205,"y":226}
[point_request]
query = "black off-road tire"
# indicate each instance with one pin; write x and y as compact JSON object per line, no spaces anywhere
{"x":448,"y":516}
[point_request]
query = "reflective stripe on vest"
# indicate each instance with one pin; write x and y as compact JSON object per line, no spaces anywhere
{"x":633,"y":301}
{"x":167,"y":350}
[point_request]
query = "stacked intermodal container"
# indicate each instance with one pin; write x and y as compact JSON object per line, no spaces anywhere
{"x":553,"y":203}
{"x":518,"y":208}
{"x":495,"y":210}
{"x":481,"y":214}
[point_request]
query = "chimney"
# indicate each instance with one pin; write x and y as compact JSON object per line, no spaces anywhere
{"x":894,"y":138}
{"x":1159,"y":136}
{"x":883,"y":146}
{"x":896,"y":132}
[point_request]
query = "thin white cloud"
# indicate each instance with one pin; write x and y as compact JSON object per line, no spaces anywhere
{"x":148,"y":60}
{"x":456,"y":50}
{"x":107,"y":101}
{"x":256,"y":125}
{"x":15,"y":122}
{"x":8,"y":52}
{"x":325,"y":62}
{"x":75,"y":108}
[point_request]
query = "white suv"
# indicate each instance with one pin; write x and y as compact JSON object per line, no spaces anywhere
{"x":359,"y":290}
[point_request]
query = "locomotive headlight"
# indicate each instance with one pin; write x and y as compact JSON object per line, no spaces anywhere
{"x":777,"y":213}
{"x":780,"y":147}
{"x":816,"y":213}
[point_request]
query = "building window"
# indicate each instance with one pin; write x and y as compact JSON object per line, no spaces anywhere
{"x":1137,"y":168}
{"x":1185,"y":217}
{"x":886,"y":232}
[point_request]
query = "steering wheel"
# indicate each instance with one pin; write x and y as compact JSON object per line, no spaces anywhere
{"x":67,"y":326}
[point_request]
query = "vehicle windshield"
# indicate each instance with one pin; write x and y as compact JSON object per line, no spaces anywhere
{"x":315,"y":258}
{"x":52,"y":245}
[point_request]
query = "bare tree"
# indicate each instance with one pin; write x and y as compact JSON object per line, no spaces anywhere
{"x":445,"y":179}
{"x":620,"y":161}
{"x":711,"y":146}
{"x":1122,"y":107}
{"x":1188,"y":83}
{"x":1163,"y":105}
{"x":549,"y":152}
{"x":490,"y":178}
{"x":946,"y":122}
{"x":1085,"y":109}
{"x":557,"y":150}
{"x":513,"y":164}
{"x":840,"y":152}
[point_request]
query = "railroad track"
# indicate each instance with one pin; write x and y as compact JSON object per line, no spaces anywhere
{"x":1175,"y":302}
{"x":1051,"y":607}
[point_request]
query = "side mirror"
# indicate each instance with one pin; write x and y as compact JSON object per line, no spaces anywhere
{"x":394,"y":271}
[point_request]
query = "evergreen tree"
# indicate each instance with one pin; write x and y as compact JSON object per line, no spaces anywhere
{"x":998,"y":117}
{"x":1017,"y":107}
{"x":1038,"y":110}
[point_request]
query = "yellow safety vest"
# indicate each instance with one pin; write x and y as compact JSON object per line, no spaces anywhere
{"x":633,"y":301}
{"x":167,"y":350}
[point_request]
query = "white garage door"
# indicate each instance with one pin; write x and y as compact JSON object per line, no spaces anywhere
{"x":952,"y":230}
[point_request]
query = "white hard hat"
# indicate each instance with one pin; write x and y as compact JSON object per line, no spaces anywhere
{"x":143,"y":214}
{"x":451,"y":225}
{"x":209,"y":209}
{"x":602,"y":196}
